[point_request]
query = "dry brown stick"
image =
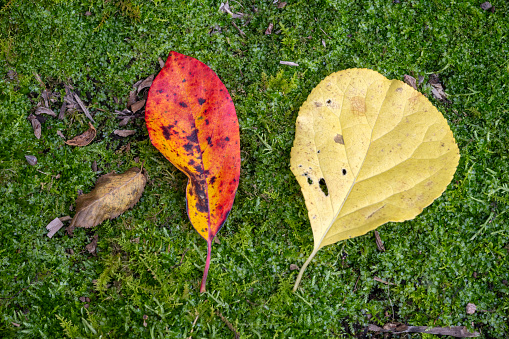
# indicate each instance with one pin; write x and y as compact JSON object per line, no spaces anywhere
{"x":383,"y":281}
{"x":229,"y":324}
{"x":379,"y":242}
{"x":454,"y":331}
{"x":238,"y":29}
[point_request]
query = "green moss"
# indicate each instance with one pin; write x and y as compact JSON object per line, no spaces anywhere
{"x":150,"y":260}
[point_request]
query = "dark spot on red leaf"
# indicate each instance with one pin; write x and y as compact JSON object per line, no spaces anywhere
{"x":212,"y":180}
{"x":206,"y":121}
{"x":227,"y":139}
{"x":188,"y":147}
{"x":159,"y":91}
{"x":184,"y":80}
{"x":182,"y":104}
{"x":193,"y":137}
{"x":166,"y":132}
{"x":209,"y":141}
{"x":201,"y":101}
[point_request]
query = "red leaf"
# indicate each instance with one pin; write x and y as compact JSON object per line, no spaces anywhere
{"x":191,"y":120}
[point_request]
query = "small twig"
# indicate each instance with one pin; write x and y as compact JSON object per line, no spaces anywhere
{"x":383,"y":281}
{"x":192,"y":327}
{"x":396,"y":328}
{"x":325,"y":33}
{"x":181,"y":259}
{"x":229,"y":324}
{"x":238,"y":29}
{"x":31,"y":283}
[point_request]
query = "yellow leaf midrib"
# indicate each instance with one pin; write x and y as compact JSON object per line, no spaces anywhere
{"x":318,"y":245}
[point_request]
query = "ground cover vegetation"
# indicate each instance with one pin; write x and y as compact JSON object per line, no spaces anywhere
{"x":142,"y":278}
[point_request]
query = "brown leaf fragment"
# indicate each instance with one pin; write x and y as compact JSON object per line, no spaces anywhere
{"x":225,"y":8}
{"x":486,"y":5}
{"x":39,"y":80}
{"x":53,"y":227}
{"x":124,"y":122}
{"x":61,"y":114}
{"x":420,"y":80}
{"x":470,"y":308}
{"x":113,"y":195}
{"x":281,"y":5}
{"x":16,"y":324}
{"x":60,"y":134}
{"x":36,"y":125}
{"x":82,"y":299}
{"x":88,"y":13}
{"x":92,"y":247}
{"x":410,"y":81}
{"x":146,"y":83}
{"x":323,"y":43}
{"x":94,"y":166}
{"x":65,"y":218}
{"x":293,"y":267}
{"x":132,"y":98}
{"x":31,"y":159}
{"x":268,"y":31}
{"x":289,"y":63}
{"x":454,"y":331}
{"x":45,"y":97}
{"x":83,"y":139}
{"x":383,"y":281}
{"x":161,"y":62}
{"x":216,"y":241}
{"x":44,"y":110}
{"x":83,"y":107}
{"x":379,"y":242}
{"x":137,"y":106}
{"x":124,"y":132}
{"x":436,"y":88}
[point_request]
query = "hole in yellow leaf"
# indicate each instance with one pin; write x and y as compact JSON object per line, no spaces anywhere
{"x":310,"y":181}
{"x":344,"y":171}
{"x":323,"y":187}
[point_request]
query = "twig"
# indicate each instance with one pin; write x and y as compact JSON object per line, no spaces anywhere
{"x":289,"y":63}
{"x":181,"y":259}
{"x":31,"y":283}
{"x":238,"y":29}
{"x":192,"y":327}
{"x":229,"y":324}
{"x":455,"y":331}
{"x":379,"y":242}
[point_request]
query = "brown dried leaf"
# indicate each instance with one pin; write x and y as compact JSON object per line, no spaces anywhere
{"x":92,"y":246}
{"x":281,"y":5}
{"x":83,"y":139}
{"x":60,"y":134}
{"x":44,"y":110}
{"x":113,"y":195}
{"x":94,"y":166}
{"x":293,"y":267}
{"x":137,"y":106}
{"x":124,"y":132}
{"x":454,"y":331}
{"x":269,"y":29}
{"x":54,"y":226}
{"x":379,"y":242}
{"x":124,"y":122}
{"x":61,"y":114}
{"x":65,"y":218}
{"x":146,"y":83}
{"x":36,"y":125}
{"x":31,"y":159}
{"x":471,"y":308}
{"x":161,"y":62}
{"x":410,"y":81}
{"x":132,"y":98}
{"x":486,"y":6}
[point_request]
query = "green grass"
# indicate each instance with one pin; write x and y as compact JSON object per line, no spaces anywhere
{"x":454,"y":253}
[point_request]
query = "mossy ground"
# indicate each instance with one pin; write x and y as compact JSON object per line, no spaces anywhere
{"x":456,"y":252}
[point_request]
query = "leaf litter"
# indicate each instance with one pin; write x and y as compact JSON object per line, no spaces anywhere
{"x":83,"y":139}
{"x":112,"y":195}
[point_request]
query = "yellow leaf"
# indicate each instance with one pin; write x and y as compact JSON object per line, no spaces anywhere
{"x":368,"y":150}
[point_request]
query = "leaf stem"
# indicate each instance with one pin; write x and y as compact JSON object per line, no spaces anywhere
{"x":301,"y":272}
{"x":207,"y":264}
